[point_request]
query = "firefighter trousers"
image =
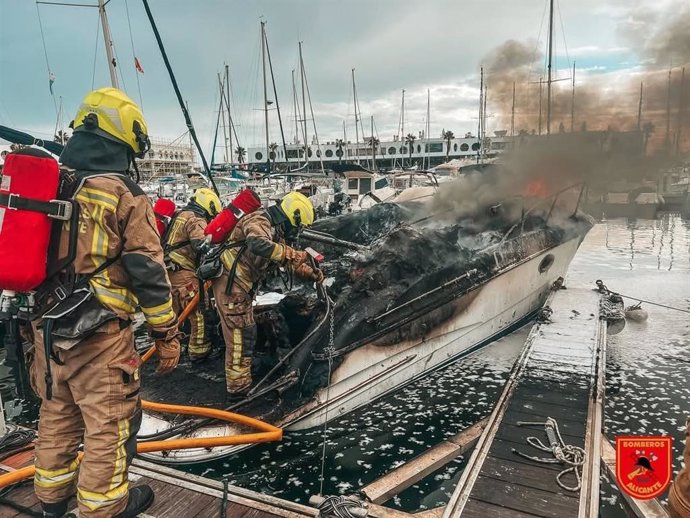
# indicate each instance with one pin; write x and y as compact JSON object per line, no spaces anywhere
{"x":96,"y":401}
{"x":679,"y":494}
{"x":185,"y":285}
{"x":239,"y":333}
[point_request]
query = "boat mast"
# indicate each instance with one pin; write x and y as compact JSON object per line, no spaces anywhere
{"x":639,"y":108}
{"x":304,"y":104}
{"x":541,"y":83}
{"x":512,"y":114}
{"x":549,"y":79}
{"x":221,"y":116}
{"x":373,"y":153}
{"x":668,"y":113}
{"x":297,"y":114}
{"x":428,"y":129}
{"x":681,"y":109}
{"x":263,"y":62}
{"x":354,"y":100}
{"x":227,"y":102}
{"x":481,"y":110}
{"x":108,"y":44}
{"x":275,"y":97}
{"x":572,"y":103}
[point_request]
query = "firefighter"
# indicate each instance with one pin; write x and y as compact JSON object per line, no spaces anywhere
{"x":90,"y":387}
{"x":256,"y":243}
{"x":185,"y":240}
{"x":679,"y":494}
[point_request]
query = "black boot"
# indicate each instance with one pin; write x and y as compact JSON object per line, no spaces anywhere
{"x":56,"y":510}
{"x":140,"y":499}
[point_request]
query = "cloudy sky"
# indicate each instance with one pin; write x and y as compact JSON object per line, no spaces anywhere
{"x":392,"y":44}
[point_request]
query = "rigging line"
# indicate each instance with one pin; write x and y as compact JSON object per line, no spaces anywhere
{"x":313,"y":120}
{"x":45,"y":53}
{"x":653,"y":303}
{"x":95,"y":52}
{"x":65,"y":4}
{"x":536,"y":45}
{"x":275,"y":95}
{"x":134,"y":55}
{"x":565,"y":43}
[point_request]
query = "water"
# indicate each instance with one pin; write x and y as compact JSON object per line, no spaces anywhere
{"x":648,"y":366}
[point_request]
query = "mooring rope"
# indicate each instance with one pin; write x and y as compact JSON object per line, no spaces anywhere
{"x":339,"y":507}
{"x":604,"y":289}
{"x":329,"y":352}
{"x":566,"y":454}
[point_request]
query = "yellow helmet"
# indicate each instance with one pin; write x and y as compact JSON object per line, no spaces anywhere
{"x":112,"y":114}
{"x":298,"y":209}
{"x":207,"y":200}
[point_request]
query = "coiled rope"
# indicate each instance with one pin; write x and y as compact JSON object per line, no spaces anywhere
{"x":573,"y":457}
{"x":340,"y":507}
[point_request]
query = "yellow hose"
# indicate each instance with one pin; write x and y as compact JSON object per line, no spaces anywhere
{"x":267,"y":433}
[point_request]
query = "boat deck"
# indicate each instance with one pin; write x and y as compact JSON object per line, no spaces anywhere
{"x":556,"y":377}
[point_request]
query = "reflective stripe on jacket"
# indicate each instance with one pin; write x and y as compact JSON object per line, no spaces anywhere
{"x":115,"y":216}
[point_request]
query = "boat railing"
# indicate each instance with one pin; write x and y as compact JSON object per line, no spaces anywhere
{"x":505,"y":251}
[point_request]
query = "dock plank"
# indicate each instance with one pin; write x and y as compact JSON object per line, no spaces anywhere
{"x":553,"y":378}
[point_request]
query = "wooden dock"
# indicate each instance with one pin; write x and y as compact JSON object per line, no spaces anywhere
{"x":559,"y":375}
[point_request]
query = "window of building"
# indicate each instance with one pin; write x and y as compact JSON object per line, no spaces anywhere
{"x":258,"y":155}
{"x":464,"y":147}
{"x":329,"y":153}
{"x":309,"y":152}
{"x":435,"y":147}
{"x":292,"y":153}
{"x":318,"y":153}
{"x":419,"y":148}
{"x":272,"y":155}
{"x":339,"y":152}
{"x":455,"y":147}
{"x":403,"y":150}
{"x":391,"y":150}
{"x":475,"y":146}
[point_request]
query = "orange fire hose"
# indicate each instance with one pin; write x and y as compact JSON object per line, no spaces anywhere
{"x":267,"y":433}
{"x":191,"y":306}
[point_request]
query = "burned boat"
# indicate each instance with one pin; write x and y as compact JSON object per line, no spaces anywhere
{"x":416,"y":292}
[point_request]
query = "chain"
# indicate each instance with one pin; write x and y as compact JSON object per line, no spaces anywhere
{"x":329,"y":353}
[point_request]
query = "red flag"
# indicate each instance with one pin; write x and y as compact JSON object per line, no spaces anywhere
{"x":137,"y":65}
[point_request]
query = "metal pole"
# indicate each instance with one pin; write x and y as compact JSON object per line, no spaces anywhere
{"x":572,"y":104}
{"x":108,"y":44}
{"x":263,"y":63}
{"x":668,"y":113}
{"x":354,"y":100}
{"x":548,"y":81}
{"x":541,"y":83}
{"x":304,"y":105}
{"x":639,"y":109}
{"x":227,"y":102}
{"x":512,"y":114}
{"x":681,"y":109}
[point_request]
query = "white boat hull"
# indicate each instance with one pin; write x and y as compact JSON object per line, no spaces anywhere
{"x":371,"y":371}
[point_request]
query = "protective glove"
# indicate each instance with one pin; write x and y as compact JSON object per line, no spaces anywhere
{"x":295,"y":258}
{"x":168,"y":355}
{"x":304,"y":271}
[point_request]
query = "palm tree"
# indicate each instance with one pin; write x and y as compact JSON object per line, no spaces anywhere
{"x":374,"y":143}
{"x":273,"y":147}
{"x":339,"y":143}
{"x":241,"y":153}
{"x":447,"y":136}
{"x":409,"y":140}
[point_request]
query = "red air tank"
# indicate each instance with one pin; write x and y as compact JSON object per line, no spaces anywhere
{"x":220,"y":227}
{"x":28,"y":174}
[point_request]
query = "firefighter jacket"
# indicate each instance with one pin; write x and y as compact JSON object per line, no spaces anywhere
{"x":186,"y":227}
{"x":261,"y":246}
{"x":116,"y":219}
